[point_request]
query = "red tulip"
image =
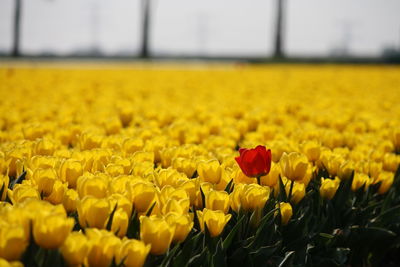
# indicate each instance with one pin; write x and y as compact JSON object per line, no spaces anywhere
{"x":254,"y":162}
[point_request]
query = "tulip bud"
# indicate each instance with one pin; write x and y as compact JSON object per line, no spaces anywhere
{"x":329,"y":187}
{"x":96,"y":186}
{"x":177,"y":206}
{"x":120,"y":223}
{"x":44,"y":147}
{"x":391,"y":162}
{"x":70,"y":200}
{"x":312,"y":150}
{"x":209,"y":171}
{"x":75,"y":249}
{"x":45,"y":179}
{"x":122,"y":203}
{"x":298,"y":191}
{"x":183,"y":225}
{"x":132,"y":145}
{"x":4,"y":181}
{"x":215,"y":221}
{"x":133,"y":252}
{"x":235,"y":197}
{"x":51,"y":230}
{"x":13,"y":241}
{"x":70,"y":170}
{"x":22,"y":192}
{"x":272,"y":178}
{"x":254,"y":196}
{"x":5,"y":263}
{"x":359,"y":180}
{"x":294,"y":165}
{"x":157,"y":232}
{"x":286,"y":212}
{"x":386,"y":179}
{"x":57,"y":194}
{"x":185,"y":165}
{"x":143,"y":196}
{"x":103,"y":247}
{"x":217,"y":200}
{"x":93,"y":212}
{"x":345,"y":170}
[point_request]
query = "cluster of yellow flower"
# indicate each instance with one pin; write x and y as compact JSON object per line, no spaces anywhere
{"x":160,"y":143}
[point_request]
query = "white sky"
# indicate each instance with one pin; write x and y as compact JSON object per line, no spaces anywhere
{"x":205,"y":27}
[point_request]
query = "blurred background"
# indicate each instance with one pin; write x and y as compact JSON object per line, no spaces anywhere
{"x":354,"y":30}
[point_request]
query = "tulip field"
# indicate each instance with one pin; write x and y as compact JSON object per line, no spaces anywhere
{"x":162,"y":164}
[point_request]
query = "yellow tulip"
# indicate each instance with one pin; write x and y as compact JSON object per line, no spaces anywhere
{"x":93,"y":212}
{"x":209,"y":171}
{"x":312,"y":150}
{"x":386,"y":179}
{"x":21,"y":192}
{"x":144,"y":195}
{"x":89,"y":185}
{"x":45,"y":179}
{"x":177,"y":206}
{"x":157,"y":232}
{"x":272,"y":178}
{"x":131,"y":145}
{"x":57,"y":194}
{"x":13,"y":241}
{"x":329,"y":187}
{"x":294,"y":165}
{"x":133,"y":252}
{"x":183,"y":225}
{"x":69,"y":171}
{"x":4,"y":181}
{"x":217,"y":200}
{"x":286,"y":212}
{"x":70,"y":200}
{"x":215,"y":221}
{"x":345,"y":170}
{"x":359,"y":180}
{"x":44,"y":147}
{"x":254,"y":196}
{"x":5,"y":263}
{"x":103,"y":247}
{"x":235,"y":197}
{"x":120,"y":223}
{"x":75,"y":249}
{"x":298,"y":191}
{"x":122,"y":203}
{"x":51,"y":230}
{"x":190,"y":186}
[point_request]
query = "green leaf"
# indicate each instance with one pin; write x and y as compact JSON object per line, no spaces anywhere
{"x":228,"y":240}
{"x":203,"y":197}
{"x":288,"y":260}
{"x":262,"y":254}
{"x":134,"y":226}
{"x":188,"y":248}
{"x":282,"y":192}
{"x":229,"y":187}
{"x":218,"y":258}
{"x":111,"y":217}
{"x":170,"y":254}
{"x":18,"y":180}
{"x":198,"y":259}
{"x":148,"y":213}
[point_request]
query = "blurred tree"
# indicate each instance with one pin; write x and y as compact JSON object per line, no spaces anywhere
{"x":144,"y":52}
{"x":16,"y":30}
{"x":278,"y":53}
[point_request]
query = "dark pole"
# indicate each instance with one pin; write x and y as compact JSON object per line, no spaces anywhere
{"x":278,"y":53}
{"x":17,"y":21}
{"x":144,"y":53}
